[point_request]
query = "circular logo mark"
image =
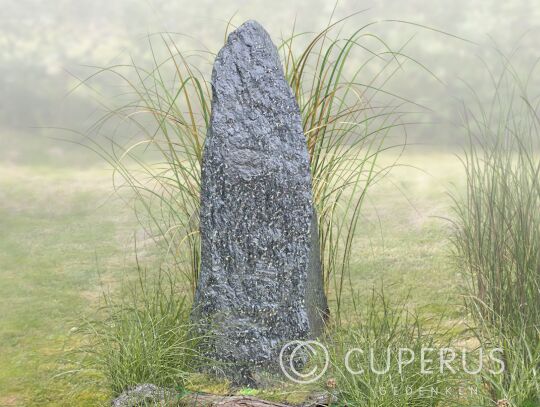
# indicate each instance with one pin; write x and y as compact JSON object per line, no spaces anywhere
{"x":294,"y":356}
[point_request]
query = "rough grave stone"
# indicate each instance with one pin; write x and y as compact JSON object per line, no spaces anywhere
{"x":260,"y":283}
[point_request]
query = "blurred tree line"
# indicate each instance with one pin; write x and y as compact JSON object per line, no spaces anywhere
{"x":46,"y":48}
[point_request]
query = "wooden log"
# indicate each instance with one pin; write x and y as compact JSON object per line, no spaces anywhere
{"x":212,"y":400}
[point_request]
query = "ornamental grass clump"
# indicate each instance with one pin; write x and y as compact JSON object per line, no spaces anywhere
{"x":157,"y":134}
{"x":497,"y":233}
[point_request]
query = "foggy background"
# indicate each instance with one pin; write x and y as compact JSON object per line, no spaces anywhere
{"x":47,"y":47}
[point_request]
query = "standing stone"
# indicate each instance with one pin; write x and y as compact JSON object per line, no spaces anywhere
{"x":260,"y":283}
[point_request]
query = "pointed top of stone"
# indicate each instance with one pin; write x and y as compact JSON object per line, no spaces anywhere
{"x":251,"y":25}
{"x":249,"y":58}
{"x":250,"y":29}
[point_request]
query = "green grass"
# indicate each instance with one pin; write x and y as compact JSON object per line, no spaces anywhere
{"x":56,"y":223}
{"x":142,"y":335}
{"x":379,"y":330}
{"x":403,"y":232}
{"x":54,"y":227}
{"x":497,"y":232}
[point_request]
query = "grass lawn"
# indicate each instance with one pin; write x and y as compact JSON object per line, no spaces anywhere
{"x":403,"y":239}
{"x":58,"y":228}
{"x":63,"y":233}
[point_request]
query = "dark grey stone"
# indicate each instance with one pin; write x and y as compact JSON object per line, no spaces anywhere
{"x":260,"y":283}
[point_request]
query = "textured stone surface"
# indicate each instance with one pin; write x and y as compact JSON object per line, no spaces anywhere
{"x":145,"y":395}
{"x":260,"y":283}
